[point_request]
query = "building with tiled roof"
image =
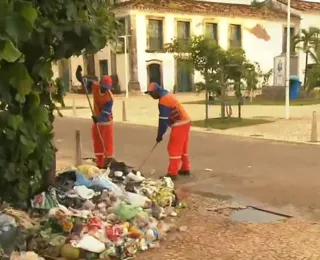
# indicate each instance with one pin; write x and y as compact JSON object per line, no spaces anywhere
{"x":204,"y":8}
{"x":259,"y":29}
{"x":305,"y":6}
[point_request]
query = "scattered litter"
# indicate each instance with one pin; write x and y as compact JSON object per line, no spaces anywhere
{"x":208,"y":170}
{"x":183,"y":228}
{"x":92,"y":213}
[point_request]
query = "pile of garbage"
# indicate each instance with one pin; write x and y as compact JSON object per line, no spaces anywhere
{"x":92,"y":213}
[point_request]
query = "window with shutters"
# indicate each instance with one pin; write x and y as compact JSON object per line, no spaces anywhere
{"x":284,"y":40}
{"x":211,"y":31}
{"x":235,"y":36}
{"x":155,"y":35}
{"x":122,"y":31}
{"x":183,"y":33}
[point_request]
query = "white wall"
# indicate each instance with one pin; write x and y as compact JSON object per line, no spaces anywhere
{"x":103,"y":54}
{"x":121,"y":70}
{"x":55,"y":69}
{"x":256,"y":49}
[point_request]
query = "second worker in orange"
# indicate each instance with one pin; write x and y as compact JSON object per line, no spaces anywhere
{"x":172,"y":114}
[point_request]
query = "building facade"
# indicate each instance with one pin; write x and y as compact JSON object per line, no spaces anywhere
{"x":150,"y":25}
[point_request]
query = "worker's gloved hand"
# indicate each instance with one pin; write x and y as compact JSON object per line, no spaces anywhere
{"x":95,"y":119}
{"x":159,"y":139}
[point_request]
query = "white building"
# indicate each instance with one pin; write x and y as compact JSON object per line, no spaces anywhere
{"x":260,"y":31}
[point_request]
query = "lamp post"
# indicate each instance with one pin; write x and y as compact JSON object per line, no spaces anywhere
{"x":125,"y":37}
{"x":287,"y":105}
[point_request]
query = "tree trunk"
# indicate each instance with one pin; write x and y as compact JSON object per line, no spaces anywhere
{"x":223,"y":96}
{"x":207,"y":103}
{"x":207,"y":107}
{"x":306,"y":70}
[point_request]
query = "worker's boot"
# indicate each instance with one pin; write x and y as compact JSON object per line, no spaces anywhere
{"x":107,"y":162}
{"x":184,"y":173}
{"x":172,"y":177}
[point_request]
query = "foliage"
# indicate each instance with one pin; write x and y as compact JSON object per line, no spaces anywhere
{"x":309,"y":39}
{"x":220,"y":68}
{"x":33,"y":34}
{"x":263,"y":76}
{"x":313,"y":78}
{"x":251,"y":75}
{"x":258,"y":4}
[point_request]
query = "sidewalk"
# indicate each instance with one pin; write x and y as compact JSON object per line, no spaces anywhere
{"x":142,"y":110}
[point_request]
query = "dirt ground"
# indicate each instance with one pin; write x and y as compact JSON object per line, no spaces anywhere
{"x":214,"y":236}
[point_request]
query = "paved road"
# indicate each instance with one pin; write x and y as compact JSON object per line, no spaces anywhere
{"x":281,"y":175}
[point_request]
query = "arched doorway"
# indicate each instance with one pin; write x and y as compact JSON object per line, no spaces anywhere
{"x":154,"y":71}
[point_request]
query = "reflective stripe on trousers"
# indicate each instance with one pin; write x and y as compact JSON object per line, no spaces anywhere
{"x":106,"y":131}
{"x":178,"y":148}
{"x":104,"y":123}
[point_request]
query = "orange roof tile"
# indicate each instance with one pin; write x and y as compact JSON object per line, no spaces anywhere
{"x":303,"y":5}
{"x":207,"y":8}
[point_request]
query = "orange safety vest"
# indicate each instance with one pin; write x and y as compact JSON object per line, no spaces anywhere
{"x":178,"y":115}
{"x":100,"y":99}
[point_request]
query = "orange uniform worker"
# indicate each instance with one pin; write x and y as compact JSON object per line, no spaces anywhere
{"x":103,"y":119}
{"x":172,"y":114}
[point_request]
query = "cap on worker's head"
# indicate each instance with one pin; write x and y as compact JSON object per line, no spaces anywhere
{"x":106,"y":80}
{"x":152,"y":86}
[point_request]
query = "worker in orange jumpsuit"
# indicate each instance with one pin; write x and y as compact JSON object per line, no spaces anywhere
{"x":172,"y":114}
{"x":102,"y":120}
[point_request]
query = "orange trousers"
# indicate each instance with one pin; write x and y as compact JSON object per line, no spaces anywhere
{"x":178,"y":149}
{"x":107,"y":138}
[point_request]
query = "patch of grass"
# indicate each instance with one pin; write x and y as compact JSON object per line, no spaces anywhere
{"x":259,"y":101}
{"x":70,"y":107}
{"x":226,"y":123}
